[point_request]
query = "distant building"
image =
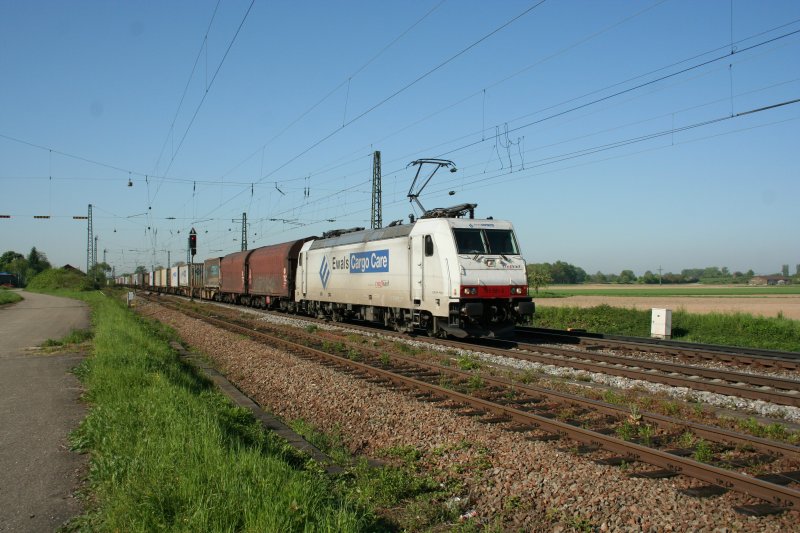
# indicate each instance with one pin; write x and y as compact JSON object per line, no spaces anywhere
{"x":769,"y":280}
{"x":7,"y":279}
{"x":72,"y":269}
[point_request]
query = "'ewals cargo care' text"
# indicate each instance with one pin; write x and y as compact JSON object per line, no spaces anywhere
{"x":363,"y":262}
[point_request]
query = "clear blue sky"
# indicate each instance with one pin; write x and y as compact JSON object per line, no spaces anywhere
{"x":289,"y":120}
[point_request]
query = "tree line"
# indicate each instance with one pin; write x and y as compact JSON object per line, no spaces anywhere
{"x":25,"y":268}
{"x":563,"y":273}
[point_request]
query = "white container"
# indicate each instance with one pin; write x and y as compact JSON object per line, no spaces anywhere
{"x":661,"y":324}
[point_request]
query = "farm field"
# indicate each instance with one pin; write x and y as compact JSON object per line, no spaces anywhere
{"x":757,"y":301}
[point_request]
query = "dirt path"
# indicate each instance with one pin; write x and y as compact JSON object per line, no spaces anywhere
{"x":38,"y":408}
{"x":769,"y":306}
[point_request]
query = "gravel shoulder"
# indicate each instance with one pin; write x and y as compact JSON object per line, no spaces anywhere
{"x":530,"y":485}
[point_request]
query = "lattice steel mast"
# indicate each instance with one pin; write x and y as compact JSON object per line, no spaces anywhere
{"x":377,"y":210}
{"x":89,"y":242}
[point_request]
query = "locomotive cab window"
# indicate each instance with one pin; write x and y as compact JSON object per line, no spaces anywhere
{"x":469,"y":241}
{"x":502,"y":241}
{"x":428,"y":246}
{"x":485,"y":241}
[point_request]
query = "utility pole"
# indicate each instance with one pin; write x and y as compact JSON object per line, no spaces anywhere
{"x":90,"y":238}
{"x":94,"y":253}
{"x":377,"y":210}
{"x":659,"y":274}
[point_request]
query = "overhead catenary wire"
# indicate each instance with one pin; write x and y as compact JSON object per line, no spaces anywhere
{"x":205,"y":94}
{"x":393,"y":95}
{"x":600,"y":99}
{"x":630,"y":89}
{"x":335,"y":89}
{"x":203,"y":45}
{"x":154,"y":177}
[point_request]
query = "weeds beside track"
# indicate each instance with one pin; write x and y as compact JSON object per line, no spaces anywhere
{"x":169,"y":452}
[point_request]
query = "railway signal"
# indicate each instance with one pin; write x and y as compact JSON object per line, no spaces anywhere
{"x":193,"y":242}
{"x":193,"y":251}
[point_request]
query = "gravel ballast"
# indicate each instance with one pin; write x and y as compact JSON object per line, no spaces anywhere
{"x":527,"y":484}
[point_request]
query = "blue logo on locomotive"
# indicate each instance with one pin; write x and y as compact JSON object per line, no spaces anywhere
{"x":324,"y":272}
{"x":363,"y":262}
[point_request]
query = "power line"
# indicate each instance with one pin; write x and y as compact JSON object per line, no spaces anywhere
{"x":203,"y":45}
{"x":597,"y":100}
{"x":205,"y":94}
{"x":390,"y":97}
{"x":335,"y":89}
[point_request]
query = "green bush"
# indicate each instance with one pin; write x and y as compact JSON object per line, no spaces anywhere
{"x":8,"y":297}
{"x":736,"y":329}
{"x":60,"y":278}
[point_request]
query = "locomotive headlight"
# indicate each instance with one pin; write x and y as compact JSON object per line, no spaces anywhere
{"x":490,"y":262}
{"x":470,"y":291}
{"x":519,"y":290}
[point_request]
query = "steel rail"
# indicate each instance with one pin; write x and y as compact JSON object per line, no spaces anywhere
{"x":710,"y":373}
{"x":783,"y":360}
{"x":631,"y":368}
{"x":710,"y":433}
{"x":779,"y":495}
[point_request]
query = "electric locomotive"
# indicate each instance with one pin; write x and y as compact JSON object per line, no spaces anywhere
{"x":441,"y":273}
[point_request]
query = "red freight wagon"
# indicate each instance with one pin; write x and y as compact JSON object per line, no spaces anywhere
{"x":263,"y":277}
{"x":232,"y":276}
{"x":271,"y":271}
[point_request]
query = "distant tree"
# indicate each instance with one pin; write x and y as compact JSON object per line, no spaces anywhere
{"x":599,"y":277}
{"x":797,"y":270}
{"x":7,"y":258}
{"x":98,"y":274}
{"x":140,"y":270}
{"x":627,"y":276}
{"x":725,"y":272}
{"x":669,"y":277}
{"x":785,"y":271}
{"x":19,"y":267}
{"x":538,"y":276}
{"x":750,"y":273}
{"x":649,"y":278}
{"x":37,"y":262}
{"x":563,"y":272}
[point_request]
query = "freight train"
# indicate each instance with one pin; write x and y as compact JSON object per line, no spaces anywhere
{"x":441,"y":273}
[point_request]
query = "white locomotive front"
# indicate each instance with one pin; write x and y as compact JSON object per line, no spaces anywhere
{"x":449,"y":276}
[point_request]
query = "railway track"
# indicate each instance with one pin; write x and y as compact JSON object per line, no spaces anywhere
{"x":686,"y":351}
{"x":543,"y":414}
{"x":776,"y":390}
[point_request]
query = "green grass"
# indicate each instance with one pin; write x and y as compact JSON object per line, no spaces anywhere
{"x":170,"y":453}
{"x":9,"y":297}
{"x":76,"y":336}
{"x":739,"y":329}
{"x":668,"y":290}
